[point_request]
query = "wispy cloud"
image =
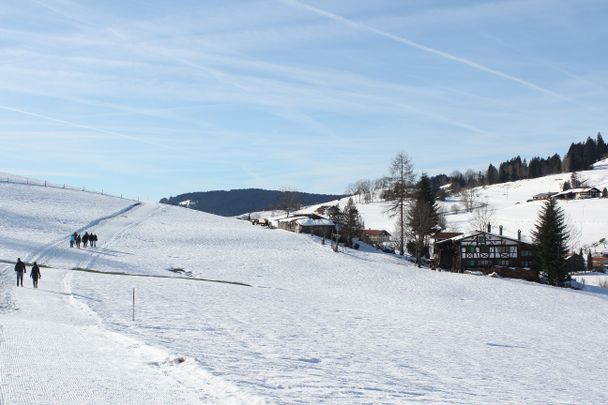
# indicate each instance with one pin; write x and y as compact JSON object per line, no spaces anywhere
{"x":81,"y":126}
{"x":425,"y":48}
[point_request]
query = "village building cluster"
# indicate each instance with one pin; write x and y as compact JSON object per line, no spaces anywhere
{"x":486,"y":252}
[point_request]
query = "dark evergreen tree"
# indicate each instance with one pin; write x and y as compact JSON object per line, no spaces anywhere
{"x":566,"y":186}
{"x":550,"y":243}
{"x":535,"y":168}
{"x":605,"y":192}
{"x":589,"y":261}
{"x":350,"y":222}
{"x":492,"y":175}
{"x":422,"y":216}
{"x":589,"y":153}
{"x":602,"y":148}
{"x":574,"y":264}
{"x":555,"y":164}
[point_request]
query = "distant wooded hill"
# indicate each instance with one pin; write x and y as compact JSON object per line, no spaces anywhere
{"x":236,"y":202}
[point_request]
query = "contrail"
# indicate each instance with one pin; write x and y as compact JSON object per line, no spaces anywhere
{"x":76,"y":125}
{"x":424,"y":48}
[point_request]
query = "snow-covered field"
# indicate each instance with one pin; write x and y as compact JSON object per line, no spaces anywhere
{"x":309,"y":326}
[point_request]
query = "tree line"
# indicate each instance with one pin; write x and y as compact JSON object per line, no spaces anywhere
{"x":580,"y":156}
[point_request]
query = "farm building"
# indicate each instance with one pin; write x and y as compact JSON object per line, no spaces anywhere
{"x":308,"y":223}
{"x":486,"y":252}
{"x":374,"y":236}
{"x":543,"y":196}
{"x":578,"y":194}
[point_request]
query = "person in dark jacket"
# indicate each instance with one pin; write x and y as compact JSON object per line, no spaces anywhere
{"x":20,"y":269}
{"x":85,"y":239}
{"x":78,"y":239}
{"x":35,"y":274}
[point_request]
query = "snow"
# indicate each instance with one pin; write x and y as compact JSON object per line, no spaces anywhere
{"x":315,"y":222}
{"x":601,"y":165}
{"x":313,"y":326}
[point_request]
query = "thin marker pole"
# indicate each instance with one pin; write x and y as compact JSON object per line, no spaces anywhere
{"x":133,"y":304}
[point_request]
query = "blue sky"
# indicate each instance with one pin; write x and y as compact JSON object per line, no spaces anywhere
{"x":157,"y":98}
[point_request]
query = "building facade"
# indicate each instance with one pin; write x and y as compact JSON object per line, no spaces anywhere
{"x":486,"y":252}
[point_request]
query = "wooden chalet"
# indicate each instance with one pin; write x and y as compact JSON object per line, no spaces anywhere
{"x":543,"y":196}
{"x":578,"y":194}
{"x":308,"y":223}
{"x":486,"y":252}
{"x":374,"y":236}
{"x":321,"y":227}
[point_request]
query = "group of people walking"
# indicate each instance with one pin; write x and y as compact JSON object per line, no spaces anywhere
{"x":86,"y":239}
{"x":20,"y":269}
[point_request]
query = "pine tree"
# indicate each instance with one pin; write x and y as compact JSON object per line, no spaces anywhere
{"x":550,"y":243}
{"x":589,"y":261}
{"x":422,"y":215}
{"x":602,"y":148}
{"x":350,"y":222}
{"x":492,"y":174}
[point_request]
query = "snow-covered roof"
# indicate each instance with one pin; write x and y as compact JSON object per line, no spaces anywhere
{"x":464,"y":236}
{"x":374,"y":232}
{"x":315,"y":222}
{"x":576,"y":190}
{"x":290,"y":219}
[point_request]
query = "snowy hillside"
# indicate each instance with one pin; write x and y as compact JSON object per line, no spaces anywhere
{"x":588,"y":219}
{"x":289,"y":321}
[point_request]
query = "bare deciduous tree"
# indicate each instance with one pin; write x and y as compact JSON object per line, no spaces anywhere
{"x":401,"y":178}
{"x":289,"y":201}
{"x":468,"y":199}
{"x":482,"y":216}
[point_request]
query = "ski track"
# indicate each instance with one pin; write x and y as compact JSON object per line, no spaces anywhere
{"x":130,"y":224}
{"x":44,"y":252}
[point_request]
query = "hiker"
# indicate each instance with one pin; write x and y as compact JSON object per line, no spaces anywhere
{"x":78,"y":239}
{"x":72,"y":240}
{"x":20,"y":269}
{"x":85,"y":239}
{"x":94,"y":239}
{"x":35,"y":274}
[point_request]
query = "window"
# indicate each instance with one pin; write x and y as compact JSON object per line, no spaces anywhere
{"x":481,"y":240}
{"x":484,"y":249}
{"x":471,"y":249}
{"x":470,"y":263}
{"x":526,"y":253}
{"x":505,"y":262}
{"x":502,"y":249}
{"x":483,"y":262}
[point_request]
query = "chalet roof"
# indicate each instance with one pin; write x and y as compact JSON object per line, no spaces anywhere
{"x":577,"y":190}
{"x":549,"y":194}
{"x":446,"y":235}
{"x":315,"y":222}
{"x":374,"y":232}
{"x":308,"y":214}
{"x":291,"y":219}
{"x":464,"y":236}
